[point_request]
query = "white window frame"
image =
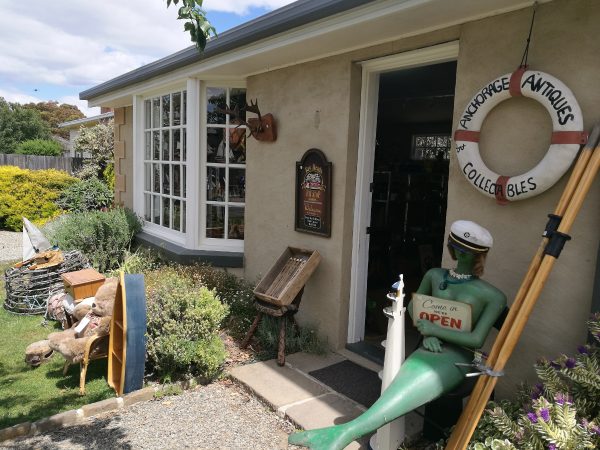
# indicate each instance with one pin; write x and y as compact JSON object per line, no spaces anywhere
{"x":220,"y":244}
{"x":196,"y":131}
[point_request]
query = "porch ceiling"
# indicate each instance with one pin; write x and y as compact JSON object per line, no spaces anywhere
{"x":373,"y":23}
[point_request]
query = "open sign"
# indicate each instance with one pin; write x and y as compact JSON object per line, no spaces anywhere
{"x":445,"y":313}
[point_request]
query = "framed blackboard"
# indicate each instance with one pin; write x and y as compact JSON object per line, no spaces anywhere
{"x":313,"y":193}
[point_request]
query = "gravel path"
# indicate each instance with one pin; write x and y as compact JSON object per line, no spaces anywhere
{"x":11,"y":246}
{"x":218,"y":416}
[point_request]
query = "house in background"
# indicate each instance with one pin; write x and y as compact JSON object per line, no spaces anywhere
{"x":74,"y":127}
{"x":378,"y":86}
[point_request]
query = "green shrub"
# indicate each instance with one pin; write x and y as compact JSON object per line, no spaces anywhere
{"x":103,"y":236}
{"x":31,"y":194}
{"x":183,"y":327}
{"x":235,"y":292}
{"x":109,"y":176}
{"x":42,"y":147}
{"x":297,"y":339}
{"x":86,"y":195}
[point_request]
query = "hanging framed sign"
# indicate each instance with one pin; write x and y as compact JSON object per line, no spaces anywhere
{"x":313,"y":193}
{"x":567,"y":135}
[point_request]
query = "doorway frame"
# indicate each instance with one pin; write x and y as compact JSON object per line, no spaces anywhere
{"x":369,"y":102}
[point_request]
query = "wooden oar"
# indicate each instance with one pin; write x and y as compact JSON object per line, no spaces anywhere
{"x":568,"y":206}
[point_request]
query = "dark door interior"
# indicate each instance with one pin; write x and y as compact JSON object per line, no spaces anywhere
{"x":409,"y":191}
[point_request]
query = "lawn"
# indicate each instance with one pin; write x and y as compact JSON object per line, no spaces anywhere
{"x":28,"y":394}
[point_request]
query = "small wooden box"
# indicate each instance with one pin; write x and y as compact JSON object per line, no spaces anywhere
{"x":83,"y":283}
{"x":288,"y":276}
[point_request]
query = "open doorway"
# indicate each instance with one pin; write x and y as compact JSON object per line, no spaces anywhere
{"x":409,"y":189}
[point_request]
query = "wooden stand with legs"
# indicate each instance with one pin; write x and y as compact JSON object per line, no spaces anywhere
{"x":555,"y":236}
{"x":279,"y":293}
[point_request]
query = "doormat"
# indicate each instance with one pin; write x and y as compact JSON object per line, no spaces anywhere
{"x":355,"y":382}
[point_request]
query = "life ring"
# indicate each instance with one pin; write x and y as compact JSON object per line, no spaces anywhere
{"x":567,"y":135}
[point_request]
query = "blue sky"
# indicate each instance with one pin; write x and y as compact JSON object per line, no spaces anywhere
{"x":52,"y":50}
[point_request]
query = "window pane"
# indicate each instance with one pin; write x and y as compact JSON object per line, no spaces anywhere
{"x":236,"y":223}
{"x":176,"y":144}
{"x":156,"y":209}
{"x":156,"y":112}
{"x":147,"y":177}
{"x":177,"y":108}
{"x":215,"y":217}
{"x":184,"y":144}
{"x":215,"y":186}
{"x":166,"y":110}
{"x":166,"y":179}
{"x":156,"y":145}
{"x":148,"y":146}
{"x":237,"y":185}
{"x":183,"y":216}
{"x":184,"y":108}
{"x":216,"y":99}
{"x":166,"y":202}
{"x":176,"y":215}
{"x":148,"y":207}
{"x":238,"y":97}
{"x":147,"y":114}
{"x":183,"y":182}
{"x":177,"y":180}
{"x":156,"y":179}
{"x":237,"y":145}
{"x":215,"y":145}
{"x":165,"y":145}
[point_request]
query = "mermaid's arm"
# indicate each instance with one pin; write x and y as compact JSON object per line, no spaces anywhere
{"x":474,"y":339}
{"x":424,"y":288}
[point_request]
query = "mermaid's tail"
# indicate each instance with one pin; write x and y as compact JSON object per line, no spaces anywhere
{"x":423,"y":377}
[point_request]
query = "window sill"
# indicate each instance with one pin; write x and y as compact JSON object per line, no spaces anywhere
{"x":184,"y":255}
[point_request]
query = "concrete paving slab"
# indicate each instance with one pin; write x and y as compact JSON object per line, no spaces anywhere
{"x":278,"y":386}
{"x":326,"y":410}
{"x":306,"y":362}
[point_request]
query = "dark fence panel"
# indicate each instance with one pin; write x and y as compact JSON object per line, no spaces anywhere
{"x":34,"y":162}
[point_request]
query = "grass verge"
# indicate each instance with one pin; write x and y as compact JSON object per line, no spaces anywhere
{"x":31,"y":394}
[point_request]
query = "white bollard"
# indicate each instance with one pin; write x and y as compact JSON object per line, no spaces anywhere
{"x":390,"y":436}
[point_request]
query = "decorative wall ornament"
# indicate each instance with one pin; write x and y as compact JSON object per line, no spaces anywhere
{"x":262,"y":128}
{"x":567,"y":135}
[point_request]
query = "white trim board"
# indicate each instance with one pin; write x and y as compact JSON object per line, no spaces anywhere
{"x":371,"y":70}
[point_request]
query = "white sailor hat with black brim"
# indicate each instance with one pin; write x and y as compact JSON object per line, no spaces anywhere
{"x":470,"y":237}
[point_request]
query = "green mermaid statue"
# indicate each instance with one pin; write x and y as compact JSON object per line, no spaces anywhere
{"x":432,"y":369}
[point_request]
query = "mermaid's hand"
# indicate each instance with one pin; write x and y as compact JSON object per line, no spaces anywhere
{"x":432,"y":344}
{"x":425,"y":327}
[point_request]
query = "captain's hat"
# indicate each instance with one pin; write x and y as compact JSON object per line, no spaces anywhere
{"x":469,"y":236}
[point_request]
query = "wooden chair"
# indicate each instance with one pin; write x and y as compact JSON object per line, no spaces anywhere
{"x":96,"y":348}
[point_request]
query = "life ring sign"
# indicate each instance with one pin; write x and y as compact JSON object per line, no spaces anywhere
{"x":567,"y":135}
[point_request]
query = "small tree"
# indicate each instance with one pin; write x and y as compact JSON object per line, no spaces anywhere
{"x":18,"y":124}
{"x":99,"y":143}
{"x":42,"y":147}
{"x":54,"y":113}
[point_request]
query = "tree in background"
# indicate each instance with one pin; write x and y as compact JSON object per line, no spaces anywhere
{"x":54,"y":113}
{"x":98,"y":144}
{"x":18,"y":124}
{"x":196,"y":23}
{"x":41,"y":147}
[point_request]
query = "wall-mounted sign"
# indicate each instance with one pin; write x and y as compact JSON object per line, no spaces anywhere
{"x":445,"y":313}
{"x":313,"y":193}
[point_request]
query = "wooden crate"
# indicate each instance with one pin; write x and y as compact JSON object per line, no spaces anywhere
{"x":287,"y":276}
{"x":82,"y":283}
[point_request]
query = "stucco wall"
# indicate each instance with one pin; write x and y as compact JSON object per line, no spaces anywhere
{"x":316,"y":105}
{"x":515,"y":136}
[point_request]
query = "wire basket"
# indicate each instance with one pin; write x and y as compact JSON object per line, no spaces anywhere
{"x":27,"y":291}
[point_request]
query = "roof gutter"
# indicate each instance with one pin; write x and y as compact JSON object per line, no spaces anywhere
{"x":283,"y":19}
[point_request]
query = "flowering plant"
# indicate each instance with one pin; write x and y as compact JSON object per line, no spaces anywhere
{"x":560,"y":412}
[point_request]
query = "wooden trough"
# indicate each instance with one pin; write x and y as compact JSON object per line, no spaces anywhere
{"x":279,"y":293}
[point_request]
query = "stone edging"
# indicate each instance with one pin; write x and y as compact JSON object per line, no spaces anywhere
{"x":76,"y":416}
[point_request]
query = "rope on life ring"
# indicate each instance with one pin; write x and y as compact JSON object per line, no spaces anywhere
{"x":567,"y":135}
